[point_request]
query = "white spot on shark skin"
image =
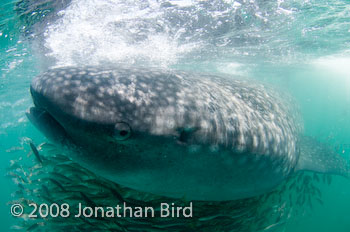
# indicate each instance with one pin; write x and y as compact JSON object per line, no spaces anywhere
{"x":170,"y":124}
{"x":91,"y":69}
{"x":55,"y":89}
{"x":110,"y":91}
{"x":101,"y":89}
{"x":204,"y":125}
{"x":144,"y":85}
{"x":66,"y":91}
{"x":100,"y":94}
{"x":101,"y":104}
{"x":178,"y":76}
{"x":170,"y":99}
{"x":96,"y":81}
{"x":82,"y":88}
{"x":255,"y":142}
{"x":275,"y":148}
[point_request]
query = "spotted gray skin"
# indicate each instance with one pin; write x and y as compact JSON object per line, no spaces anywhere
{"x":174,"y":134}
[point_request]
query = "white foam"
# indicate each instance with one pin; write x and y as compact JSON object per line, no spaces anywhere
{"x":95,"y":31}
{"x":336,"y":64}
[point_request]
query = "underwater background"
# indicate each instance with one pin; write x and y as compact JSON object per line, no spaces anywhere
{"x":303,"y":47}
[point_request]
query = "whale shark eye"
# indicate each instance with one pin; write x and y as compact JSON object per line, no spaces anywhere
{"x":122,"y":131}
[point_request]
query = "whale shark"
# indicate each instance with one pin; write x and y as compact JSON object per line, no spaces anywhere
{"x":177,"y":134}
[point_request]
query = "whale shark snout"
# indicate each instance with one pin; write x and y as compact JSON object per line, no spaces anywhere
{"x":179,"y":134}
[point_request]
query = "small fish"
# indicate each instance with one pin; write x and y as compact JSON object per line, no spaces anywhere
{"x":319,"y":201}
{"x":324,"y":178}
{"x":17,"y":193}
{"x":284,"y":187}
{"x":33,"y":227}
{"x":87,"y":221}
{"x":117,"y":195}
{"x":290,"y":198}
{"x":60,"y":158}
{"x":17,"y":177}
{"x":36,"y":152}
{"x":307,"y":180}
{"x":275,"y":225}
{"x":61,"y":177}
{"x":300,"y":177}
{"x":292,"y":185}
{"x":58,"y":184}
{"x":318,"y":192}
{"x":87,"y":200}
{"x":14,"y":165}
{"x":21,"y":186}
{"x":16,"y":227}
{"x":45,"y":190}
{"x":48,"y":199}
{"x":15,"y":149}
{"x":329,"y":180}
{"x":20,"y":200}
{"x":72,"y":169}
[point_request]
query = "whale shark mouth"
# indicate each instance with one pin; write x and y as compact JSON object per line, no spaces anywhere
{"x":47,"y":124}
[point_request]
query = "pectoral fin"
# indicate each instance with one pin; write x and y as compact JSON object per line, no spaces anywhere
{"x":318,"y":157}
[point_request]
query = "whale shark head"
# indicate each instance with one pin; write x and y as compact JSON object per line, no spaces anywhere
{"x":174,"y":134}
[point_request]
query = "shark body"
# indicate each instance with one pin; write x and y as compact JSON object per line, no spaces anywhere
{"x":176,"y":134}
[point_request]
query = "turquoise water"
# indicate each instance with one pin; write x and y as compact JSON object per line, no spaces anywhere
{"x":300,"y":46}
